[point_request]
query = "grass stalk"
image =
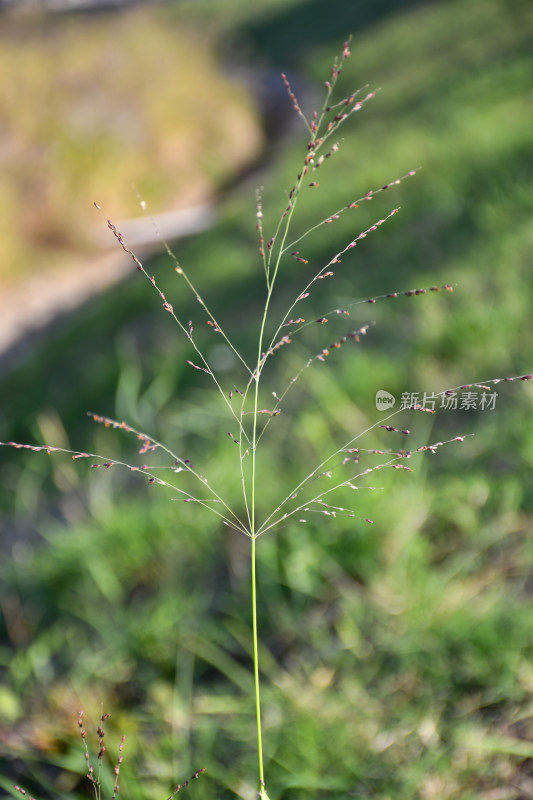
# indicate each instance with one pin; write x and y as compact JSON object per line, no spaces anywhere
{"x":262,"y":792}
{"x":253,"y":556}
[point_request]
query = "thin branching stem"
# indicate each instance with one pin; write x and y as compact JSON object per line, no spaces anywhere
{"x":179,"y":269}
{"x":268,"y":525}
{"x":187,"y":331}
{"x":256,"y":668}
{"x":334,"y":260}
{"x":319,"y":498}
{"x":368,"y":196}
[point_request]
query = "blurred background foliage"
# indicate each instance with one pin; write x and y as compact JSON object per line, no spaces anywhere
{"x":99,"y":103}
{"x":396,"y":656}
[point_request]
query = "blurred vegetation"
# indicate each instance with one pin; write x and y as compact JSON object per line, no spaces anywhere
{"x":397,"y":657}
{"x":100,"y":103}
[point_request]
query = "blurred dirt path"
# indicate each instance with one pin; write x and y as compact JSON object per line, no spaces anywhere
{"x":27,"y":308}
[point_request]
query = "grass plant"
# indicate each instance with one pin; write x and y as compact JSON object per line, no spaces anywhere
{"x":255,"y":405}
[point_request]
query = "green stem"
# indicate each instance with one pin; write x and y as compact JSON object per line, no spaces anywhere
{"x":262,"y":792}
{"x":256,"y":377}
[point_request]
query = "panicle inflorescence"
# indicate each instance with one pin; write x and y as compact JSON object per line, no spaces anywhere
{"x":322,"y":125}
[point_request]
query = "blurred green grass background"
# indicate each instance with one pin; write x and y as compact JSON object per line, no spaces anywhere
{"x":397,"y":656}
